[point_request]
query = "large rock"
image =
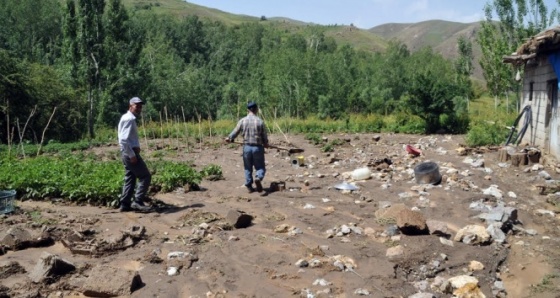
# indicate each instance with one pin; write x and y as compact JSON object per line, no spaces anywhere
{"x":411,"y":222}
{"x":17,"y":238}
{"x":389,"y":214}
{"x":239,"y":219}
{"x":107,"y":281}
{"x":50,"y":266}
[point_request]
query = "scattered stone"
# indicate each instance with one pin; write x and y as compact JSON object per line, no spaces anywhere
{"x":361,"y":292}
{"x":422,"y":295}
{"x":495,"y":231}
{"x":50,"y":266}
{"x":421,"y":285}
{"x":302,"y":263}
{"x":315,"y":263}
{"x":391,"y":230}
{"x":107,"y":281}
{"x":394,"y":251}
{"x":472,"y":234}
{"x":321,"y":282}
{"x":476,"y":266}
{"x":283,"y":228}
{"x":493,"y":191}
{"x":544,"y":212}
{"x":470,"y":290}
{"x":309,"y":206}
{"x":445,"y":241}
{"x":153,"y":257}
{"x":10,"y":269}
{"x":545,"y":175}
{"x":458,"y":282}
{"x":437,"y":227}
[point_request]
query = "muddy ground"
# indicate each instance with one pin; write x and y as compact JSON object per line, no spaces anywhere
{"x":309,"y":239}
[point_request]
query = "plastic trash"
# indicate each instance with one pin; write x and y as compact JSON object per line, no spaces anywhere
{"x":346,"y":186}
{"x":413,"y":151}
{"x":361,"y":174}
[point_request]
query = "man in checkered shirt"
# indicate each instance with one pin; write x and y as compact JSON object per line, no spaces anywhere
{"x":255,"y":140}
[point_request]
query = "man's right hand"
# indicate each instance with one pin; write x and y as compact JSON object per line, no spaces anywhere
{"x":227,"y":140}
{"x":133,"y":160}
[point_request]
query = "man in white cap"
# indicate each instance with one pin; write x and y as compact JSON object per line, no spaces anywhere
{"x":134,"y":165}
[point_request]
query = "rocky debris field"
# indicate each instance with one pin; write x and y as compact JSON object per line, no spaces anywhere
{"x":381,"y":215}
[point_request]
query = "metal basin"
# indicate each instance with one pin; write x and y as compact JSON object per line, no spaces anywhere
{"x":427,"y":173}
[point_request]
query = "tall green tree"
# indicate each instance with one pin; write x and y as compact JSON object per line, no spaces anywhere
{"x":432,"y":88}
{"x":121,"y":74}
{"x":31,"y":29}
{"x":395,"y":74}
{"x":464,"y":67}
{"x":517,"y":21}
{"x":90,"y":38}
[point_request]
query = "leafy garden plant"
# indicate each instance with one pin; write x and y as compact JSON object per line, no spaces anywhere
{"x":83,"y":178}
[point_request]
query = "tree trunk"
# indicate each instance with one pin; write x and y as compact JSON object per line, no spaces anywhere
{"x":90,"y":114}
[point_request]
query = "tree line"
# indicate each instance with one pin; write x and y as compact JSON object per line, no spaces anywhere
{"x":72,"y":66}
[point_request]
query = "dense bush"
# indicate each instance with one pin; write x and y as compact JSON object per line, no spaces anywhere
{"x":486,"y":133}
{"x":404,"y":123}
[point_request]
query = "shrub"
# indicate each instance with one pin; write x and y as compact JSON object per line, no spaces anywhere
{"x":212,"y":170}
{"x":456,"y":124}
{"x":485,"y":133}
{"x":314,"y":138}
{"x":405,"y":123}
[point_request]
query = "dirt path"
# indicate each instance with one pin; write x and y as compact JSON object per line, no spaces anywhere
{"x":339,"y":234}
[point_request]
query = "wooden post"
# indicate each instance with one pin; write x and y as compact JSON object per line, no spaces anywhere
{"x":503,"y":155}
{"x":518,"y":159}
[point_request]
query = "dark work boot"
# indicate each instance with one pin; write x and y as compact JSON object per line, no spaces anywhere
{"x":259,"y":185}
{"x":250,"y":188}
{"x":140,"y":207}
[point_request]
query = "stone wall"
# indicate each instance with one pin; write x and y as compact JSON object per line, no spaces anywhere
{"x":539,"y":76}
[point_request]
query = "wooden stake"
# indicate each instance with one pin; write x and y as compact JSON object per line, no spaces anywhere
{"x":44,"y":130}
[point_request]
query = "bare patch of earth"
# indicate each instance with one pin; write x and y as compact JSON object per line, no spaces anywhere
{"x":309,"y":239}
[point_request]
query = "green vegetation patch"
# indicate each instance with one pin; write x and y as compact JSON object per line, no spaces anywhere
{"x":83,"y":178}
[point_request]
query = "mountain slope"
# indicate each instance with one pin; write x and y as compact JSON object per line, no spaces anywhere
{"x":442,"y":36}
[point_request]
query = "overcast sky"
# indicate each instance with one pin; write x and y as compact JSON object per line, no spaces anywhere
{"x":364,"y":14}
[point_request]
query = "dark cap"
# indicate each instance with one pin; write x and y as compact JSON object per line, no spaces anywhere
{"x":135,"y":100}
{"x":251,"y":105}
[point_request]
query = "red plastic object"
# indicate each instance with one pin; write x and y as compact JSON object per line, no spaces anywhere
{"x":412,"y":150}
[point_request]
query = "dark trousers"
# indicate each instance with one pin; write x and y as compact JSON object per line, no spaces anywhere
{"x":139,"y":171}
